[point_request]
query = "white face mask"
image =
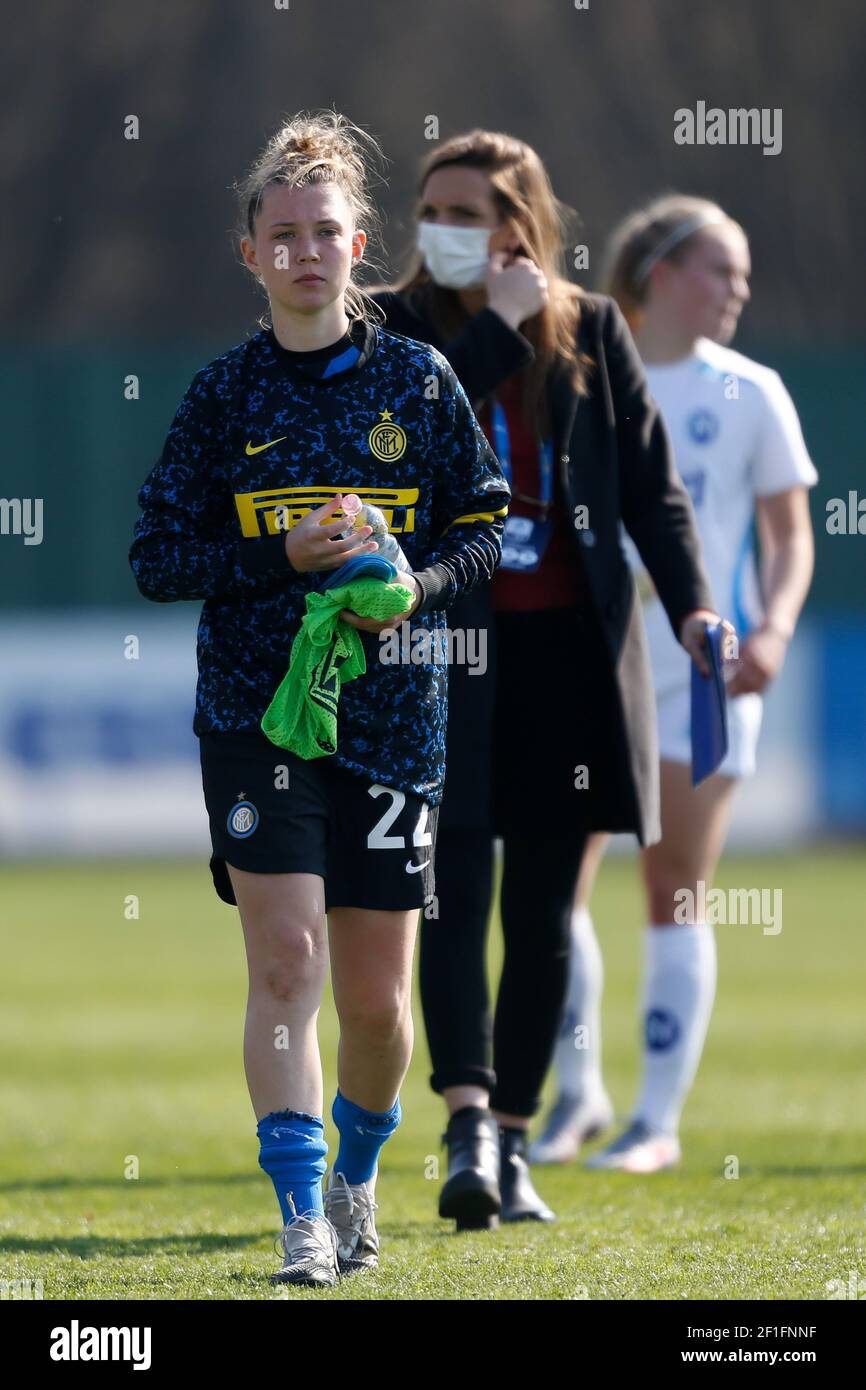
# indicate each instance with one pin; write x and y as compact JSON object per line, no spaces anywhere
{"x":457,"y":257}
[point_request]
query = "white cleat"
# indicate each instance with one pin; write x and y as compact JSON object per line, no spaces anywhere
{"x":308,"y":1244}
{"x":570,"y":1124}
{"x":639,"y":1149}
{"x":349,"y":1208}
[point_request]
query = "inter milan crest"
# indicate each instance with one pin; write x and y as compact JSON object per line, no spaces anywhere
{"x":243,"y":819}
{"x":703,"y":426}
{"x":387,"y":440}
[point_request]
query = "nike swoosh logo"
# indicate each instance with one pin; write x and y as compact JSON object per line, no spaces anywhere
{"x":257,"y":449}
{"x":415,"y":868}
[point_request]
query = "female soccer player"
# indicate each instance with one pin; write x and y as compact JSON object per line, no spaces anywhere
{"x":321,"y":401}
{"x":558,"y":738}
{"x":679,"y":269}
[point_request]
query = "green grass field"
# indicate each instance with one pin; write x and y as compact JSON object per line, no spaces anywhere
{"x":123,"y":1038}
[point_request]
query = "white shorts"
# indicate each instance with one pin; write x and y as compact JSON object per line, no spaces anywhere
{"x":744,"y":726}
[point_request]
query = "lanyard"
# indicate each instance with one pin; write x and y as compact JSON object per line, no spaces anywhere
{"x":502,"y":440}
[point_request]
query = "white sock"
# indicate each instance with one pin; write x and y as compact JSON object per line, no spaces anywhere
{"x":578,"y":1068}
{"x":679,"y":988}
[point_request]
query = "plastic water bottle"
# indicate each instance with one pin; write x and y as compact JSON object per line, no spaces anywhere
{"x":359,"y":514}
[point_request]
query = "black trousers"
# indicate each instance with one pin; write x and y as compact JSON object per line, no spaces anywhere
{"x":515,"y":739}
{"x":538,"y":881}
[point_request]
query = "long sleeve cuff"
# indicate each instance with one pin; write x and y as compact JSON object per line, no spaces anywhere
{"x":435,"y":585}
{"x":517,"y":351}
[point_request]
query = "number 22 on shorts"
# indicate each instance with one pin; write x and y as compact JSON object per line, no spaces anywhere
{"x":379,"y":838}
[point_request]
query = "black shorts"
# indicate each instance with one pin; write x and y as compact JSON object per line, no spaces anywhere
{"x":274,"y":813}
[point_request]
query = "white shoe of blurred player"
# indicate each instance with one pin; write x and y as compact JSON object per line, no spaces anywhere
{"x":639,"y":1150}
{"x":571,"y":1122}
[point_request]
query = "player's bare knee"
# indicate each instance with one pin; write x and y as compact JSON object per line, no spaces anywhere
{"x":377,"y":1018}
{"x":294,"y":965}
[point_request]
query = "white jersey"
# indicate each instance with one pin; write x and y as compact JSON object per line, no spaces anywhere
{"x":735,"y":436}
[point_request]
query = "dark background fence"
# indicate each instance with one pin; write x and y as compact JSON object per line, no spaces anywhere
{"x":119,"y":255}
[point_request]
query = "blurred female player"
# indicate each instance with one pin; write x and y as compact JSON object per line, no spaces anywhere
{"x":557,"y":739}
{"x":318,"y":403}
{"x":679,"y":270}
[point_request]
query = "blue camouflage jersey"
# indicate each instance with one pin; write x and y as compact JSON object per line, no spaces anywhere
{"x":262,"y":437}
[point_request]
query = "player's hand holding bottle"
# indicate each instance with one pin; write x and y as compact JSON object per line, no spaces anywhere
{"x":366,"y":517}
{"x":315,"y":542}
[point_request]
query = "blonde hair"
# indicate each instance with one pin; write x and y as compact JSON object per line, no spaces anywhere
{"x":320,"y":147}
{"x":523,"y":194}
{"x":661,"y":230}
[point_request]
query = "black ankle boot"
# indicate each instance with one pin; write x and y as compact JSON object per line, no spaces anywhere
{"x":470,"y":1194}
{"x":520,"y":1201}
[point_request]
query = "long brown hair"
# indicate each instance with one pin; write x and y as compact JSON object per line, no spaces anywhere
{"x":523,"y":194}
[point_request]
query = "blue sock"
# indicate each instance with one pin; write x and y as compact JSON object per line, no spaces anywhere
{"x":293,"y":1154}
{"x":362,"y":1134}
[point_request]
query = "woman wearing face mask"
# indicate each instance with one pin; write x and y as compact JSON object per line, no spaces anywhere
{"x":556,"y":737}
{"x":679,"y":269}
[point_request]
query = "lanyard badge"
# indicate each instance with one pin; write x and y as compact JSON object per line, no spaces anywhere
{"x":525,"y":538}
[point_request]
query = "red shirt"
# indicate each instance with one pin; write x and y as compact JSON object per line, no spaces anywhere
{"x":559,"y":581}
